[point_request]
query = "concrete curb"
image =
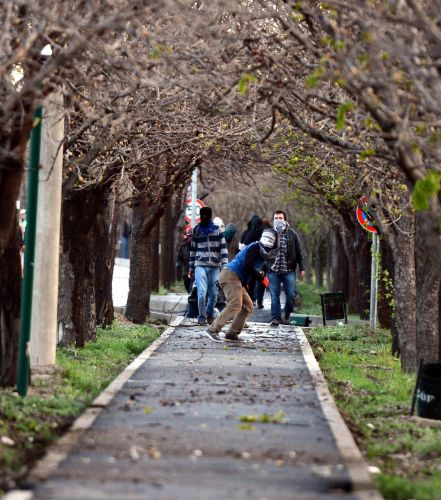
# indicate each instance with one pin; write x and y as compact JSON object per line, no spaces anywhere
{"x":357,"y":468}
{"x":58,"y":451}
{"x":164,"y":307}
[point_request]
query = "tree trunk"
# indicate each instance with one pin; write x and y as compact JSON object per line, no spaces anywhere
{"x":13,"y":140}
{"x":339,"y":264}
{"x":167,"y":260}
{"x":402,"y":243}
{"x":154,"y":257}
{"x":307,"y":252}
{"x":105,"y":249}
{"x":329,"y":248}
{"x":77,"y":307}
{"x":10,"y":298}
{"x":352,"y":296}
{"x":427,"y":298}
{"x":385,"y":290}
{"x":141,"y":267}
{"x":320,"y":258}
{"x":362,"y":258}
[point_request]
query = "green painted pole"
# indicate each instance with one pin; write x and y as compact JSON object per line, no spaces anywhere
{"x":28,"y":261}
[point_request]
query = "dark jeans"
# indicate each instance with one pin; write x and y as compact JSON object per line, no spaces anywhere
{"x":259,"y":293}
{"x":289,"y":285}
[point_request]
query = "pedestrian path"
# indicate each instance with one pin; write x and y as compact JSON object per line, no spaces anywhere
{"x":205,"y":420}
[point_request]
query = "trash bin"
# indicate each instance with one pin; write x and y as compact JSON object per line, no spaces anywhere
{"x":333,"y":306}
{"x":428,"y":394}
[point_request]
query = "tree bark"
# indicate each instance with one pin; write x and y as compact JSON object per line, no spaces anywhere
{"x":307,"y":253}
{"x":77,"y":307}
{"x":320,"y":261}
{"x":386,"y":310}
{"x":154,"y":257}
{"x":427,"y":298}
{"x":105,"y":249}
{"x":141,"y":267}
{"x":13,"y":140}
{"x":10,"y":298}
{"x":329,"y":248}
{"x":352,"y":294}
{"x":167,"y":259}
{"x":362,"y":258}
{"x":339,"y":264}
{"x":402,"y":243}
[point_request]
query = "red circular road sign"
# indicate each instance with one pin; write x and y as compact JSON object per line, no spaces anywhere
{"x":188,"y":209}
{"x":364,"y":221}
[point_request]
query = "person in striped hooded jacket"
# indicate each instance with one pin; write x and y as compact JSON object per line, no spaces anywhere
{"x":208,"y":256}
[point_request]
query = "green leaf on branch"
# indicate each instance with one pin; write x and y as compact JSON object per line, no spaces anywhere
{"x":341,"y":114}
{"x":425,"y":189}
{"x":244,"y":81}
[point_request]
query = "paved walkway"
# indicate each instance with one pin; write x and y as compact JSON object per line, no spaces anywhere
{"x":204,"y":420}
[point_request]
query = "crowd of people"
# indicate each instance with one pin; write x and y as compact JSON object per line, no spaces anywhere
{"x":231,"y":275}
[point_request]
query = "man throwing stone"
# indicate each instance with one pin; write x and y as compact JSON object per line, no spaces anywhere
{"x":233,"y":280}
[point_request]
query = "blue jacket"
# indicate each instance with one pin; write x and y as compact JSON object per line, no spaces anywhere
{"x":248,"y":263}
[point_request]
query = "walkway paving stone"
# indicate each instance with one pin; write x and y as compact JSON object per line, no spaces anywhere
{"x":190,"y":425}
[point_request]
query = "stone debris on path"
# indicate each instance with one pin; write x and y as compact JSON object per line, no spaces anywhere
{"x":207,"y":420}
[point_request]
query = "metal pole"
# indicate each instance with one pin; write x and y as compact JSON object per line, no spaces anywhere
{"x":194,"y":195}
{"x":374,"y":283}
{"x":28,"y":264}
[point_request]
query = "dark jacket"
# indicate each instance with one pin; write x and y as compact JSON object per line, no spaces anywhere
{"x":230,"y":238}
{"x":183,"y":255}
{"x":254,"y":231}
{"x":294,"y":253}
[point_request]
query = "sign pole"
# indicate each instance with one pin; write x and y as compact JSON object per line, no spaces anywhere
{"x":374,"y":283}
{"x":366,"y":220}
{"x":194,"y":192}
{"x":29,"y":258}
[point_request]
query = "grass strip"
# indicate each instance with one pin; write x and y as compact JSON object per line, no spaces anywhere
{"x":28,"y":425}
{"x":374,"y":397}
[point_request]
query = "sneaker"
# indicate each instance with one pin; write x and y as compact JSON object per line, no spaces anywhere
{"x":260,"y":305}
{"x":202,"y":321}
{"x":212,"y":335}
{"x":275,"y":322}
{"x":231,"y":336}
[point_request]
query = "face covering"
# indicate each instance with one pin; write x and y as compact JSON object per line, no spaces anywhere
{"x":280,"y":225}
{"x":269,"y":254}
{"x":205,"y":219}
{"x":206,"y":214}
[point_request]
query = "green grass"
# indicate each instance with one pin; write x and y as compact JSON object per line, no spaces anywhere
{"x":374,"y":396}
{"x":176,"y":287}
{"x":309,"y":299}
{"x":53,"y":402}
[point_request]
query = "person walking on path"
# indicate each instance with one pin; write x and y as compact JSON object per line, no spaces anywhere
{"x":283,"y":269}
{"x":183,"y":260}
{"x":126,"y":232}
{"x":231,"y":239}
{"x":234,"y":279}
{"x":208,"y":255}
{"x":259,"y":289}
{"x":254,"y":233}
